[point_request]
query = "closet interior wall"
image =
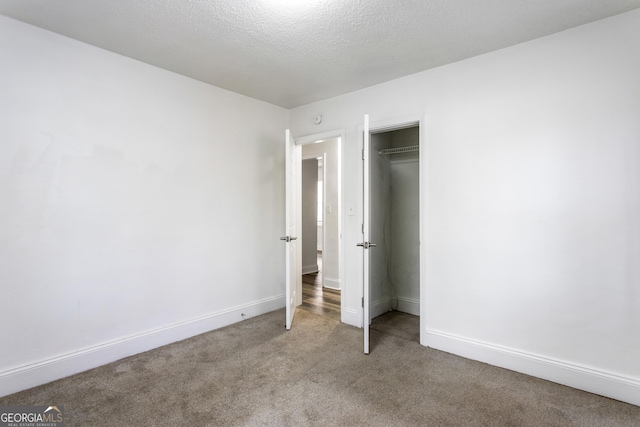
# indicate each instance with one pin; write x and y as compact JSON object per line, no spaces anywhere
{"x":394,"y":224}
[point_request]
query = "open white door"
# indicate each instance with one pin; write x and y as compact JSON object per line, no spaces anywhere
{"x":366,"y":244}
{"x":291,"y":251}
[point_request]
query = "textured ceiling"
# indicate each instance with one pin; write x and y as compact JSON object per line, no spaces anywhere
{"x":290,"y":52}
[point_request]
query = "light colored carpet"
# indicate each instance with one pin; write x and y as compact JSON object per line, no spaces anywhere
{"x":256,"y":373}
{"x":400,"y":324}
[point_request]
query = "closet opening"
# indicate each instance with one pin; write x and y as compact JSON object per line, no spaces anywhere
{"x":394,"y":269}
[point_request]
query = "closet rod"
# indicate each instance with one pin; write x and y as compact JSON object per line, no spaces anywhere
{"x":399,"y":150}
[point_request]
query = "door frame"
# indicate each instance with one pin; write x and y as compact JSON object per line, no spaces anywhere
{"x":311,"y":139}
{"x":387,"y":125}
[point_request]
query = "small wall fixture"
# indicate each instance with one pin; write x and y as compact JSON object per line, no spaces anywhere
{"x":317,"y":119}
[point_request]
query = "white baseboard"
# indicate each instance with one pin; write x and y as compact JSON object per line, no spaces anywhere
{"x":311,"y":268}
{"x":331,"y":283}
{"x":351,"y":317}
{"x":607,"y":384}
{"x":380,"y":307}
{"x":44,"y":371}
{"x":405,"y":305}
{"x":408,"y":305}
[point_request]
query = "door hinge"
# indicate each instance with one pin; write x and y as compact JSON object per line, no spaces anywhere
{"x":363,"y":302}
{"x":363,"y":154}
{"x":362,"y":228}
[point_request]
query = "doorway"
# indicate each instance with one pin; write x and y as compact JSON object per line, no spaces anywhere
{"x":394,"y":224}
{"x":392,"y":283}
{"x":318,"y":296}
{"x":320,"y":212}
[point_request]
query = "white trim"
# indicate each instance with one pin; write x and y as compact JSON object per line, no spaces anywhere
{"x":405,"y":305}
{"x":607,"y":384}
{"x":408,"y":305}
{"x":311,"y":268}
{"x":380,"y":307}
{"x":424,"y":201}
{"x":310,"y":139}
{"x":331,"y":283}
{"x":54,"y":368}
{"x":351,"y":317}
{"x":395,"y":124}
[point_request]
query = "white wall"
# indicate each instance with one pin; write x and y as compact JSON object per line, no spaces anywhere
{"x":532,"y":202}
{"x":404,"y":247}
{"x":138,"y":206}
{"x":309,"y":216}
{"x":380,"y":290}
{"x":321,"y":202}
{"x":404,"y":270}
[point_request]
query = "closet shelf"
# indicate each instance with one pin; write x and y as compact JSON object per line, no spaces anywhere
{"x":399,"y":150}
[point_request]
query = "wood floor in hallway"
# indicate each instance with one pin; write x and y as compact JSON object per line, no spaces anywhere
{"x":319,"y":300}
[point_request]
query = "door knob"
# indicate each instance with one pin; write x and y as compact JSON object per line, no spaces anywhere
{"x":366,"y":245}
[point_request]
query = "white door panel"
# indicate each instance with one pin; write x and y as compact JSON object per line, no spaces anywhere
{"x":366,"y":234}
{"x":291,"y":227}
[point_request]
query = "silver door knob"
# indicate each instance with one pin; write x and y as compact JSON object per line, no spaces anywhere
{"x":366,"y":245}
